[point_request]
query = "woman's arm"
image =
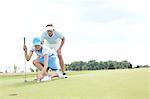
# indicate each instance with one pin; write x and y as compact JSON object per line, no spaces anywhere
{"x":44,"y":72}
{"x":27,"y":56}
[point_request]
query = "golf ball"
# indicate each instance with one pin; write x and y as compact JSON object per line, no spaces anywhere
{"x":38,"y":81}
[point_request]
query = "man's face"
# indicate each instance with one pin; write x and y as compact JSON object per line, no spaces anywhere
{"x":37,"y":47}
{"x":50,"y":32}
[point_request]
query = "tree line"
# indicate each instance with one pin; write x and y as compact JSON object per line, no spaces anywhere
{"x":90,"y":65}
{"x":94,"y":65}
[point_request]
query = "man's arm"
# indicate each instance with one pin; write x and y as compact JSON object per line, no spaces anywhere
{"x":62,"y":42}
{"x":42,"y":38}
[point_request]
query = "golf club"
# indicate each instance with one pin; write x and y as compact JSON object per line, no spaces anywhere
{"x":24,"y":65}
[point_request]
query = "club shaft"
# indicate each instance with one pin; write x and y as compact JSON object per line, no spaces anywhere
{"x":25,"y":70}
{"x":24,"y":40}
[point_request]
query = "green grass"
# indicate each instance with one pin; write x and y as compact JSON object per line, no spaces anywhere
{"x":106,"y":84}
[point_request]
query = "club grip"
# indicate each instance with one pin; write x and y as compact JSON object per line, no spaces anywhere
{"x":24,"y":40}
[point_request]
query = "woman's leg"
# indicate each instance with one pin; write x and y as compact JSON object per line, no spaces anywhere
{"x":39,"y":66}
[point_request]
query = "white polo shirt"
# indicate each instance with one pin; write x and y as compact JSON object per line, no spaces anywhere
{"x":43,"y":51}
{"x":54,"y":39}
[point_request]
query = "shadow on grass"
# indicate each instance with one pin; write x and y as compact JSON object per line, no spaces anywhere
{"x":18,"y":81}
{"x":32,"y":82}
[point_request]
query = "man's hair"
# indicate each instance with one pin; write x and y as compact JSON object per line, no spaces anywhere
{"x":49,"y":25}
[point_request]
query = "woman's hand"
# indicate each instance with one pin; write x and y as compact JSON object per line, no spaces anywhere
{"x":25,"y":48}
{"x":39,"y":76}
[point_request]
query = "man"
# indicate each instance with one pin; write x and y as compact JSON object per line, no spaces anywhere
{"x":46,"y":59}
{"x":54,"y":40}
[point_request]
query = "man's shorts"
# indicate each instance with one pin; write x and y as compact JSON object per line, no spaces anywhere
{"x":53,"y":46}
{"x":52,"y":64}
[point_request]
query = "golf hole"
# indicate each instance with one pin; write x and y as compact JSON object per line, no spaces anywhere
{"x":13,"y":94}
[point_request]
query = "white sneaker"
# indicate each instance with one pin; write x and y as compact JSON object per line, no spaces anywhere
{"x":46,"y":78}
{"x":65,"y":76}
{"x":60,"y":75}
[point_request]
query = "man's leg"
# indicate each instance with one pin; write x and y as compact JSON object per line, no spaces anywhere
{"x":61,"y":62}
{"x":60,"y":58}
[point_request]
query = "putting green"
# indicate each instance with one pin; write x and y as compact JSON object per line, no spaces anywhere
{"x":104,"y":84}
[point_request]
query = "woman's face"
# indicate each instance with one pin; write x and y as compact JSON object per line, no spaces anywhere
{"x":37,"y":47}
{"x":50,"y":32}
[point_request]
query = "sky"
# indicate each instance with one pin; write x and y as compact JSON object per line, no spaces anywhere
{"x":94,"y":29}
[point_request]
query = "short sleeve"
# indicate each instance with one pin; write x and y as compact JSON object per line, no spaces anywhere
{"x":32,"y":49}
{"x":45,"y":51}
{"x":43,"y":36}
{"x":59,"y":35}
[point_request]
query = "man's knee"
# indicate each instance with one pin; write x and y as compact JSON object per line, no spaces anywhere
{"x":59,"y":55}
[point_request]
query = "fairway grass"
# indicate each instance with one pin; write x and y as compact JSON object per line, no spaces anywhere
{"x":104,"y":84}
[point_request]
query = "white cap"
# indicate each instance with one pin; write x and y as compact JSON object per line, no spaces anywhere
{"x":49,"y":28}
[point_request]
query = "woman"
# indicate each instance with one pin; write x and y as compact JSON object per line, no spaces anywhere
{"x":46,"y":59}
